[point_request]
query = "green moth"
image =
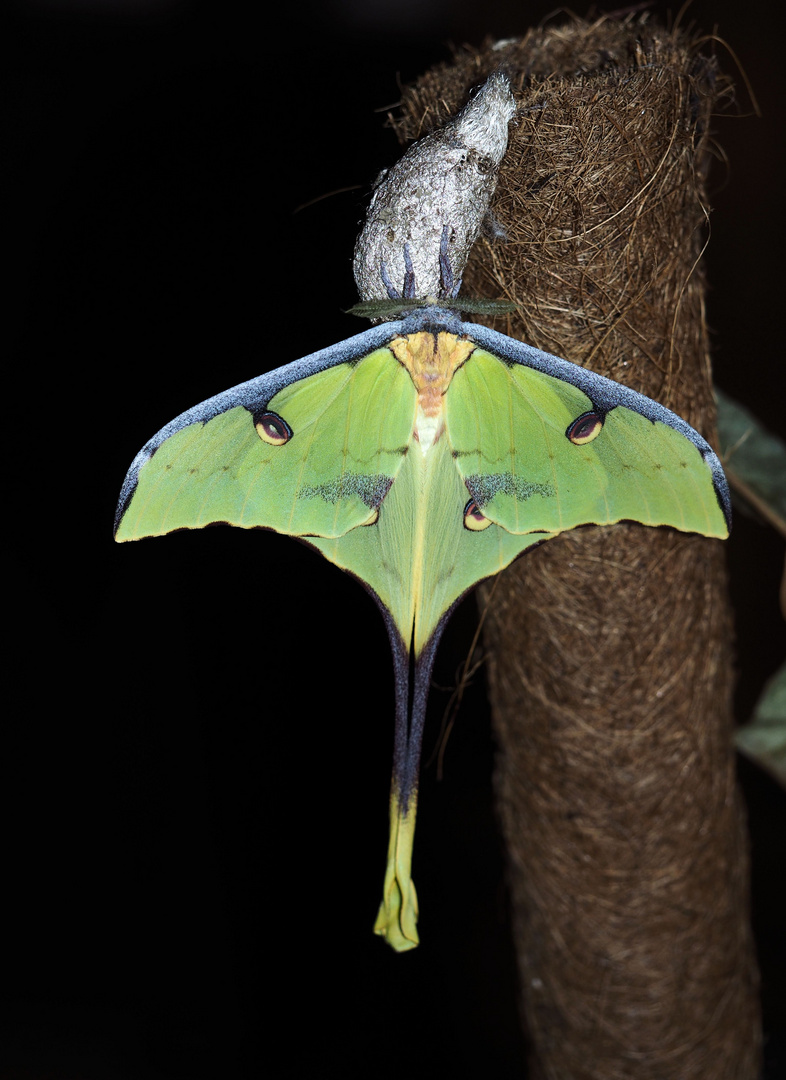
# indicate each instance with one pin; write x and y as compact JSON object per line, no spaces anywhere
{"x":423,"y":456}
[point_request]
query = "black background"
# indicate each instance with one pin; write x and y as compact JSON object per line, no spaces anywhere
{"x":198,"y":735}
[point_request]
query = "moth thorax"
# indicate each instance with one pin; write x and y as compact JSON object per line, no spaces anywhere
{"x":431,"y":360}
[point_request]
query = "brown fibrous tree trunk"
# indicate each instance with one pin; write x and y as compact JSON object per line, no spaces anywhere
{"x":609,"y":649}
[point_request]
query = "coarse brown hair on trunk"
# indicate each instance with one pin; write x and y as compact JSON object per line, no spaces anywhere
{"x":609,"y":649}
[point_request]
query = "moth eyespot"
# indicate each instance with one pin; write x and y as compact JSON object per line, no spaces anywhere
{"x":474,"y":519}
{"x":585,"y":428}
{"x":272,"y":428}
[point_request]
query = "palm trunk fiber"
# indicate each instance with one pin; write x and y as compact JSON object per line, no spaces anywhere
{"x":610,"y":659}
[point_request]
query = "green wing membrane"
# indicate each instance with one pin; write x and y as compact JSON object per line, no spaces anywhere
{"x":419,"y":559}
{"x":508,"y":428}
{"x":350,"y":426}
